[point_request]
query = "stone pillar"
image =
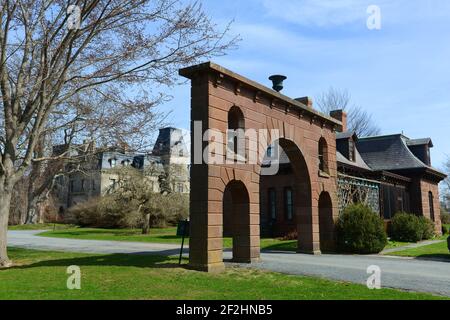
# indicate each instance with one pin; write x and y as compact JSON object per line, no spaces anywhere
{"x":308,"y":230}
{"x":206,"y":242}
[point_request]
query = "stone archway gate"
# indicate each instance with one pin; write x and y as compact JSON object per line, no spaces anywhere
{"x":214,"y":91}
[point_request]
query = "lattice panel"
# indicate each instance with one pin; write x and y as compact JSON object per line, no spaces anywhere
{"x":353,"y":190}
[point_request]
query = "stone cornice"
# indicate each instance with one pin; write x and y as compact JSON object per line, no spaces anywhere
{"x":292,"y":105}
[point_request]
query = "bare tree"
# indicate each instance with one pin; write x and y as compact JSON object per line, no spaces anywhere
{"x":446,"y":183}
{"x":358,"y":120}
{"x":58,"y":61}
{"x":136,"y":192}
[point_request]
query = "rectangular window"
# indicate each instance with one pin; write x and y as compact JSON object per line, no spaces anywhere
{"x":351,"y":150}
{"x":180,"y":188}
{"x":272,"y":204}
{"x":430,"y":200}
{"x":72,"y":185}
{"x":289,"y":203}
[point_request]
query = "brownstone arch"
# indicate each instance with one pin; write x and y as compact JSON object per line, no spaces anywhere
{"x":235,"y":187}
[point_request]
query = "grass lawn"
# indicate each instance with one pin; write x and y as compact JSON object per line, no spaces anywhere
{"x":42,"y":275}
{"x":436,"y":250}
{"x":166,"y":235}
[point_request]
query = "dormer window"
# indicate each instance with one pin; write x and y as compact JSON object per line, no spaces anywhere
{"x":351,"y":150}
{"x":113,"y":162}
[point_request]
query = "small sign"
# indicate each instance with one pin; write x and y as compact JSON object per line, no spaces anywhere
{"x":183,"y":228}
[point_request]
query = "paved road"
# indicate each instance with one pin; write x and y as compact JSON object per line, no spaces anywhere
{"x":29,"y":240}
{"x":402,"y":273}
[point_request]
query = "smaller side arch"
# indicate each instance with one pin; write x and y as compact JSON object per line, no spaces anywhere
{"x":237,"y":224}
{"x":326,"y":222}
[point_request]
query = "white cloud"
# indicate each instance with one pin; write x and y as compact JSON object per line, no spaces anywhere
{"x":319,"y":13}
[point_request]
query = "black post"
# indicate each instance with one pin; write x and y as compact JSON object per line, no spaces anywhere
{"x":182,"y":241}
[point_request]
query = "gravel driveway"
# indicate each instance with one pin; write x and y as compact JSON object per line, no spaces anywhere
{"x":401,"y":273}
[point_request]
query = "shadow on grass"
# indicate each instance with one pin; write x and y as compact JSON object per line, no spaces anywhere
{"x":281,"y":247}
{"x":441,"y":257}
{"x":112,"y":260}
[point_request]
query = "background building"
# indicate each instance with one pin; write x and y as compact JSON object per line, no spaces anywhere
{"x":92,"y":172}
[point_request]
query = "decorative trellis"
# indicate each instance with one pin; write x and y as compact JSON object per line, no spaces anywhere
{"x":353,"y":189}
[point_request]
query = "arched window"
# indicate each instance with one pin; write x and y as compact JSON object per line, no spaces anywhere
{"x":430,"y":200}
{"x":236,"y":137}
{"x":323,"y":155}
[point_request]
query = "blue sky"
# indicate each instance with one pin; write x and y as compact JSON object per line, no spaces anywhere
{"x":400,"y":73}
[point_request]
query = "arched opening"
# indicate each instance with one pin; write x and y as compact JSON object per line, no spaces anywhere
{"x":285,"y":191}
{"x":236,"y":134}
{"x":326,"y":223}
{"x":430,"y":201}
{"x":323,"y":155}
{"x":236,"y":219}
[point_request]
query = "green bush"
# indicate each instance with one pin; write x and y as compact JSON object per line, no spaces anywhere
{"x":360,"y":230}
{"x":408,"y":227}
{"x":444,"y":229}
{"x":445,"y":216}
{"x":427,"y":228}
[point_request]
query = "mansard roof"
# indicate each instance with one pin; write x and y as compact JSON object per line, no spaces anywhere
{"x":391,"y":153}
{"x":419,"y":142}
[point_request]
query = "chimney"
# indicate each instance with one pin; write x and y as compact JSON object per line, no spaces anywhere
{"x":340,"y":115}
{"x":307,"y":101}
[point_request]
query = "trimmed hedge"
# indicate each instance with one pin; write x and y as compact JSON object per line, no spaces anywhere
{"x":360,"y":230}
{"x":408,"y":227}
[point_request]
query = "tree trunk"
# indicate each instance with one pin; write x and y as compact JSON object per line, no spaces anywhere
{"x":5,"y":201}
{"x":31,"y":210}
{"x":146,"y":226}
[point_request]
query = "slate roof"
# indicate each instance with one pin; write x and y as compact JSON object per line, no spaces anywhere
{"x":419,"y":142}
{"x":359,"y":162}
{"x":389,"y":153}
{"x":345,"y":134}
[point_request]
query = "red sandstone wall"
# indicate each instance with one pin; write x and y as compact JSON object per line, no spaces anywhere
{"x":425,"y":188}
{"x":211,"y":100}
